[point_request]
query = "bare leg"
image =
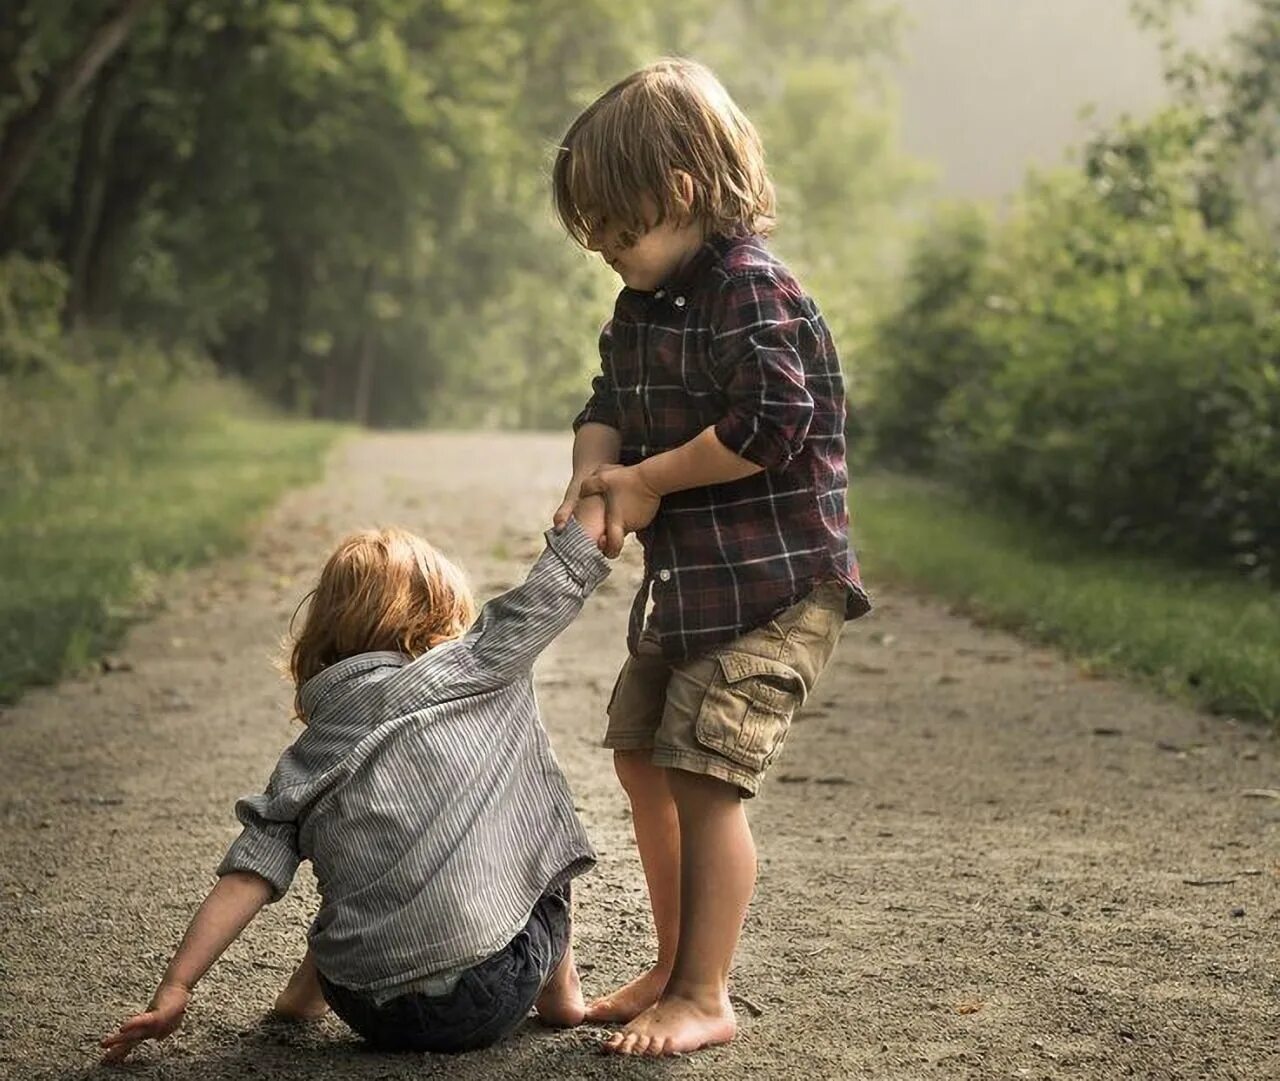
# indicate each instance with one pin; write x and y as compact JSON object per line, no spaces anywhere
{"x":717,"y":877}
{"x":657,"y":829}
{"x":560,"y":1002}
{"x":302,"y":999}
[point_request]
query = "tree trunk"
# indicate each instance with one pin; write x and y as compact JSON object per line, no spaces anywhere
{"x":89,"y":191}
{"x":26,"y":131}
{"x":122,"y":202}
{"x":366,"y":356}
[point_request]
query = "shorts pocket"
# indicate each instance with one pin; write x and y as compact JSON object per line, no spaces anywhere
{"x":748,"y":707}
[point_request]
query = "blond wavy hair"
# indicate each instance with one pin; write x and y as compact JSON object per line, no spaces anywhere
{"x":633,"y":142}
{"x":382,"y":589}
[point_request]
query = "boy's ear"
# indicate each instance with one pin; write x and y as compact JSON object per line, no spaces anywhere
{"x":684,"y":190}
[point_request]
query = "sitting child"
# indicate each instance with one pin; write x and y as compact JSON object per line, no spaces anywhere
{"x":424,"y":791}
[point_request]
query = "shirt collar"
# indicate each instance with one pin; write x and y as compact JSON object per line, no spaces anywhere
{"x":690,"y":276}
{"x":687,"y":276}
{"x":326,"y":680}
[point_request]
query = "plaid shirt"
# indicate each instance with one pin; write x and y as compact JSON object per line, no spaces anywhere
{"x":731,"y":341}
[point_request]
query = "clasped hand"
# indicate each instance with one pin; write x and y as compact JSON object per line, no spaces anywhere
{"x":609,"y":503}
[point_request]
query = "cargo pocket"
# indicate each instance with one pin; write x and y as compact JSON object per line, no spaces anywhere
{"x":746,"y":713}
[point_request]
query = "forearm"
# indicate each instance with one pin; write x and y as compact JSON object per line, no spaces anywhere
{"x":595,"y":445}
{"x":702,"y":461}
{"x":514,"y":628}
{"x":227,"y":911}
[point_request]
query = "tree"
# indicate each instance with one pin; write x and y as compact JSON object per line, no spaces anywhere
{"x":24,"y":133}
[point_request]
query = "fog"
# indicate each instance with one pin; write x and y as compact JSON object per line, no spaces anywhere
{"x":989,"y":87}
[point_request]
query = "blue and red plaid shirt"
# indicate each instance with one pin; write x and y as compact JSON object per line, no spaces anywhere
{"x":732,"y":341}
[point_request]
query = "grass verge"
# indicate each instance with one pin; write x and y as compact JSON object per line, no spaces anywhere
{"x":80,"y":549}
{"x":1198,"y":634}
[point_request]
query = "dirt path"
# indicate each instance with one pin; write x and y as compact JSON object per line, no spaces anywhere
{"x":975,"y":862}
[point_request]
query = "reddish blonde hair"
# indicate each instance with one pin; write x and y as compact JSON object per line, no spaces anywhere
{"x":382,"y":589}
{"x":670,"y":117}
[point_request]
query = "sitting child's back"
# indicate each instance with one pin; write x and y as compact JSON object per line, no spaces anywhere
{"x":425,"y":793}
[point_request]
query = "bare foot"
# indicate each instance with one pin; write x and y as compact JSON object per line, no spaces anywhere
{"x":560,"y":1004}
{"x":631,"y":999}
{"x":675,"y":1025}
{"x":298,"y":1008}
{"x":302,"y":999}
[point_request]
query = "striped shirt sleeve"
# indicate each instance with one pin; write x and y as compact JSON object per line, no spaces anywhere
{"x":517,"y":626}
{"x":760,"y":335}
{"x":268,"y":844}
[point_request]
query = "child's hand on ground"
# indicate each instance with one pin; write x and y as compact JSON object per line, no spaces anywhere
{"x":161,"y":1018}
{"x":630,"y":503}
{"x":589,"y":512}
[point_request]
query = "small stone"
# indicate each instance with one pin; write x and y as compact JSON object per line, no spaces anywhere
{"x":1237,"y":913}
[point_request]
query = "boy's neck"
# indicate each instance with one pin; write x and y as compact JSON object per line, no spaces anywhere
{"x":691,"y":244}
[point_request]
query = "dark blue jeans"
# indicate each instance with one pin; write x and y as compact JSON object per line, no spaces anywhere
{"x":488,"y":1002}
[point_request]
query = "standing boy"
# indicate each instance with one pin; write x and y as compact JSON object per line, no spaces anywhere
{"x":716,"y":429}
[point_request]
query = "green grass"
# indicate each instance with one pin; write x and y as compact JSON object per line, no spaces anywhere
{"x":79,"y":551}
{"x":1196,"y":633}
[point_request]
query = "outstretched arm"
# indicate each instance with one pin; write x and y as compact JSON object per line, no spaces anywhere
{"x":515,"y":627}
{"x":226,"y":911}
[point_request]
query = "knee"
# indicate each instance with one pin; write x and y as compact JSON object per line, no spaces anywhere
{"x":698,"y":791}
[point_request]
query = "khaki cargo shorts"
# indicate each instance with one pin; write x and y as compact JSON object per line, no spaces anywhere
{"x":726,"y":713}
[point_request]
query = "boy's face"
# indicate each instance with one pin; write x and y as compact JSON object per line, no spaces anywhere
{"x":644,"y":260}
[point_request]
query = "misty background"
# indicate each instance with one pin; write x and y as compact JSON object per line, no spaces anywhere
{"x":991,"y":87}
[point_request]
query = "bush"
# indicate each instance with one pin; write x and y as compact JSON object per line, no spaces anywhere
{"x":66,"y":402}
{"x":1114,"y":361}
{"x":32,"y":295}
{"x":929,"y":347}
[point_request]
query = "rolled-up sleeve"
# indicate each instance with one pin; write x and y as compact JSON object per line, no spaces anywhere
{"x":761,"y":331}
{"x":268,"y":844}
{"x":602,"y":406}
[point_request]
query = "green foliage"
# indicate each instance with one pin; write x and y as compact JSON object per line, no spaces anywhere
{"x":81,"y":550}
{"x":32,"y":295}
{"x":347,"y":204}
{"x":930,"y":346}
{"x":73,"y":404}
{"x":1112,"y":362}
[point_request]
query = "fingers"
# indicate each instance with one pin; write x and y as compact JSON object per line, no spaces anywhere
{"x":136,"y":1027}
{"x":614,"y":531}
{"x":593,"y":485}
{"x":119,"y":1053}
{"x":562,"y":515}
{"x":119,"y":1045}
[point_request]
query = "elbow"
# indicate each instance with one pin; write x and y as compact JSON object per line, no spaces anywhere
{"x":770,"y":441}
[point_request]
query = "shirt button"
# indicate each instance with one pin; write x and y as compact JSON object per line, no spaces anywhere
{"x":660,"y":294}
{"x":679,"y":302}
{"x":664,"y":575}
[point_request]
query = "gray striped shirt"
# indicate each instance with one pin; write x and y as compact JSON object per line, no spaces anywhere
{"x":425,"y":792}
